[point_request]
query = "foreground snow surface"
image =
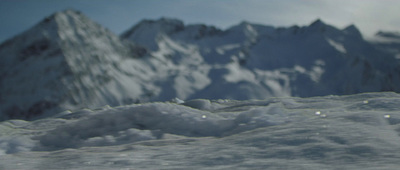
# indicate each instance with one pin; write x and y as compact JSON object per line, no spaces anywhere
{"x":350,"y":132}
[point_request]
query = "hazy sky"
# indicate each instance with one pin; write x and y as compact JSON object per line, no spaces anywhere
{"x":119,"y":15}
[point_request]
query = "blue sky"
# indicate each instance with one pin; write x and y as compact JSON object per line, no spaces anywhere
{"x":119,"y":15}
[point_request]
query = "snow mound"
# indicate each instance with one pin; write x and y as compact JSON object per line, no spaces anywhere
{"x":151,"y":121}
{"x":133,"y":123}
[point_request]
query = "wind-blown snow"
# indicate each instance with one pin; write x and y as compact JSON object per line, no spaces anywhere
{"x":333,"y":132}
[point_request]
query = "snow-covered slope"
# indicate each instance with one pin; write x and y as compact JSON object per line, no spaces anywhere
{"x":333,"y":132}
{"x":68,"y":61}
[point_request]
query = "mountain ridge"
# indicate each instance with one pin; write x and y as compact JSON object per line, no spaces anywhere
{"x":72,"y":62}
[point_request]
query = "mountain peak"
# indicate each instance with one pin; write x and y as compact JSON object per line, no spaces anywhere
{"x":171,"y":21}
{"x":317,"y":23}
{"x":58,"y":16}
{"x":244,"y":23}
{"x":351,"y":27}
{"x":69,"y":12}
{"x":318,"y":26}
{"x":70,"y":25}
{"x":164,"y":25}
{"x":352,"y":30}
{"x":146,"y":31}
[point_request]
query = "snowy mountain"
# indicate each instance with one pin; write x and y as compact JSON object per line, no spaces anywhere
{"x":250,"y":61}
{"x":334,"y":132}
{"x":69,"y":62}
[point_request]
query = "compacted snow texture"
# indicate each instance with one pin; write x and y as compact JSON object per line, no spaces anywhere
{"x":332,"y":132}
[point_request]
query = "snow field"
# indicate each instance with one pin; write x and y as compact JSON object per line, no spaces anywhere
{"x":350,"y":132}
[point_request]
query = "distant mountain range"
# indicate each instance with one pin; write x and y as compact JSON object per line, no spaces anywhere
{"x":67,"y":61}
